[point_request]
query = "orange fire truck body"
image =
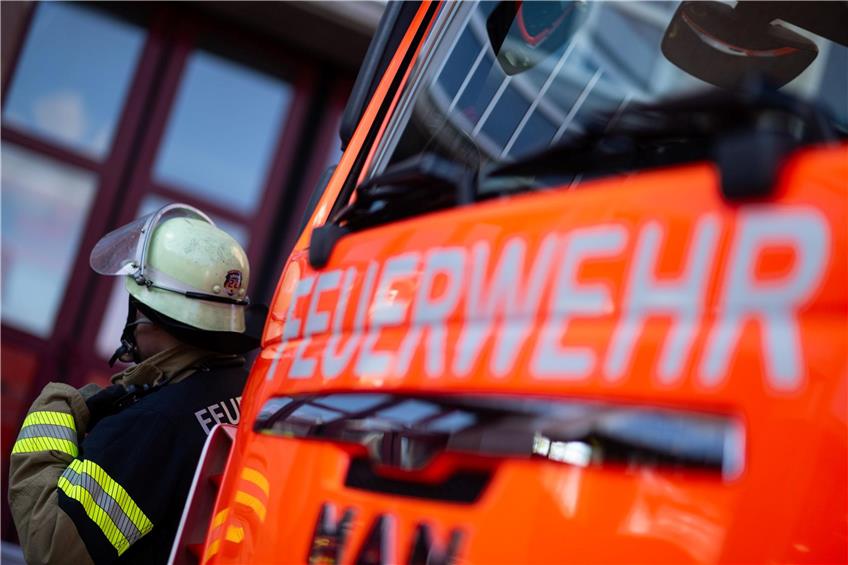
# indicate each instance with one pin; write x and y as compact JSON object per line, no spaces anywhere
{"x":498,"y":299}
{"x":648,"y":293}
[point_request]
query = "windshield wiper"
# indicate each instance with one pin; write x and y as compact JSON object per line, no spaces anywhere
{"x":423,"y":183}
{"x":747,"y":134}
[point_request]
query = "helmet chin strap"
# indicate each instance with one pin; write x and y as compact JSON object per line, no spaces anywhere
{"x":128,"y":350}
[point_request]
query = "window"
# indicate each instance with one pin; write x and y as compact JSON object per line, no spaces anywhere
{"x":45,"y":207}
{"x":73,"y":76}
{"x":555,"y":70}
{"x":222,"y":132}
{"x":112,"y":111}
{"x":69,"y":89}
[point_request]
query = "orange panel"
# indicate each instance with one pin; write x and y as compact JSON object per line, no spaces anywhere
{"x":642,"y":290}
{"x":479,"y":300}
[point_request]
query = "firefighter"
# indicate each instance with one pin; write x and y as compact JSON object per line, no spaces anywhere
{"x":101,"y":475}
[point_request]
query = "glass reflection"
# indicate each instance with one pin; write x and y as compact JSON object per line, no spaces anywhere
{"x":222,"y":132}
{"x":72,"y":77}
{"x":45,"y":205}
{"x":408,"y":432}
{"x":663,"y":509}
{"x":520,"y":77}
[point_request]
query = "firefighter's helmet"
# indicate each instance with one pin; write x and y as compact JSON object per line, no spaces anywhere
{"x":184,"y":273}
{"x":181,"y":265}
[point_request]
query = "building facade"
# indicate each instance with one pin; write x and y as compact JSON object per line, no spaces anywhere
{"x":112,"y":110}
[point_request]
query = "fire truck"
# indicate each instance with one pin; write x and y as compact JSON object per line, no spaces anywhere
{"x":574,"y":293}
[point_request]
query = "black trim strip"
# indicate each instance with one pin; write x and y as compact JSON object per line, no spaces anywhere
{"x":408,"y":432}
{"x":463,"y":487}
{"x":350,"y":182}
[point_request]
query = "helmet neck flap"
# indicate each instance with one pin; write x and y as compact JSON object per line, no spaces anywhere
{"x":128,"y":344}
{"x":218,"y":341}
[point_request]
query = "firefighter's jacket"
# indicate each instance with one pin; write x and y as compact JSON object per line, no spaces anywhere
{"x":117,"y":493}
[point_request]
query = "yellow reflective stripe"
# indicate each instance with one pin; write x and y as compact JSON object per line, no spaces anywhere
{"x":46,"y":430}
{"x":49,"y":417}
{"x":251,"y":502}
{"x":212,"y":550}
{"x":257,"y":478}
{"x":235,"y":534}
{"x":35,"y":444}
{"x":220,"y":517}
{"x":97,"y":515}
{"x":116,"y":491}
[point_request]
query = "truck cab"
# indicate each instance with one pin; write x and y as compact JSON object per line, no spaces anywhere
{"x":575,"y":292}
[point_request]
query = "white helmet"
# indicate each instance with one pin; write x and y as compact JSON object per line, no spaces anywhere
{"x":185,"y":273}
{"x":181,"y":265}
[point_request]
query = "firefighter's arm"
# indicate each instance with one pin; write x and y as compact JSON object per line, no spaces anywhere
{"x":48,"y":442}
{"x":122,"y":482}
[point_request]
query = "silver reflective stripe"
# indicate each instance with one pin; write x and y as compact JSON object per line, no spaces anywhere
{"x":48,"y":430}
{"x":105,"y":501}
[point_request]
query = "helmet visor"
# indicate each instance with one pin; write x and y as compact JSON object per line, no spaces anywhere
{"x":123,"y":251}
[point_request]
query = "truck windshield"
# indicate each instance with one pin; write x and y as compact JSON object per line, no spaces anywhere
{"x":498,"y":80}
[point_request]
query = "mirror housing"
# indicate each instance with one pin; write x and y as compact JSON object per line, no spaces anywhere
{"x":726,"y":46}
{"x":521,"y":34}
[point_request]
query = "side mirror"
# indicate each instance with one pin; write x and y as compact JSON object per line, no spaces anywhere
{"x":522,"y":34}
{"x":726,"y":46}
